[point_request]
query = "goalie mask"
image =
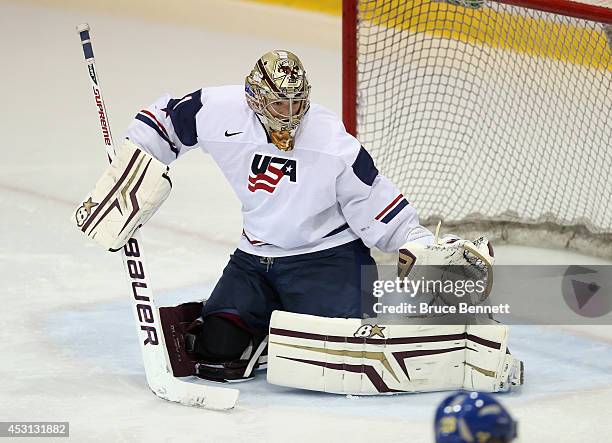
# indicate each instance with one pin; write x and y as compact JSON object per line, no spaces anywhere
{"x":278,"y":92}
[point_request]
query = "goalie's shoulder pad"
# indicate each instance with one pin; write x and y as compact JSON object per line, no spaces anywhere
{"x":129,"y":192}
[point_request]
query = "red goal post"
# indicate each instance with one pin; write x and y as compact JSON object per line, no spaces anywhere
{"x":490,"y":115}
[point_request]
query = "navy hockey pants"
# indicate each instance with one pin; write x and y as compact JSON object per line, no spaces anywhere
{"x":325,"y":283}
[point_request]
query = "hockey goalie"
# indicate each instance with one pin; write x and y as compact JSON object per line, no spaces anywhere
{"x":313,"y":205}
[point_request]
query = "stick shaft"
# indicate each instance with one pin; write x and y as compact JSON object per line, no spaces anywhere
{"x":146,"y":315}
{"x":132,"y":254}
{"x":90,"y":60}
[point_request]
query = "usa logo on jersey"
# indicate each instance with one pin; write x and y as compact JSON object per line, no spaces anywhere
{"x":267,"y":172}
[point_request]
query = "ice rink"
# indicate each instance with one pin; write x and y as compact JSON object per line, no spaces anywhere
{"x":68,"y":347}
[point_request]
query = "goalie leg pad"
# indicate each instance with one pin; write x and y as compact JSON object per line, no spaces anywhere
{"x":345,"y":356}
{"x":489,"y":366}
{"x":129,"y":192}
{"x":231,"y":353}
{"x":226,"y":350}
{"x":220,"y":340}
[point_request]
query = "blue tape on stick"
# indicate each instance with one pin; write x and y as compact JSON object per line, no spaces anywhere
{"x":88,"y":50}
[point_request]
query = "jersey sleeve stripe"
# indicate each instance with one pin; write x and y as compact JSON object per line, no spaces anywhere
{"x":391,"y":215}
{"x":384,"y":211}
{"x":147,"y":121}
{"x":161,"y":126}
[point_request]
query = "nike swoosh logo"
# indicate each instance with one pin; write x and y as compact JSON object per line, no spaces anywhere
{"x":229,"y":134}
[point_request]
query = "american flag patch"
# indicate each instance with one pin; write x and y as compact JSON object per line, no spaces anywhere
{"x":267,"y":172}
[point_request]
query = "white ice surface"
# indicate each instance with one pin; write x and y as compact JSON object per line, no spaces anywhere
{"x":68,"y":347}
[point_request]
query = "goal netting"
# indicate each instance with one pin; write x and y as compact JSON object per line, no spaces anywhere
{"x":488,"y":114}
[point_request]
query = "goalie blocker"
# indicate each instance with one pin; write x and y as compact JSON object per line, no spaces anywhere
{"x":129,"y":192}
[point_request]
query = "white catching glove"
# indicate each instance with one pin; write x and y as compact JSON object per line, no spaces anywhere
{"x":129,"y":192}
{"x":470,"y":259}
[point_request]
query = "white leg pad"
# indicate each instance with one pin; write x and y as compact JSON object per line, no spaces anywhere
{"x":488,"y":366}
{"x":346,"y":357}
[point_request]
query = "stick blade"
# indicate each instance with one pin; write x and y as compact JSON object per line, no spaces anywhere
{"x":196,"y":395}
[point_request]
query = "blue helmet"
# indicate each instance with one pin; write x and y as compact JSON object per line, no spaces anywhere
{"x":473,"y":417}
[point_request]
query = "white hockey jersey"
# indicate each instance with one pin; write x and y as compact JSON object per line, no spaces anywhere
{"x":323,"y":193}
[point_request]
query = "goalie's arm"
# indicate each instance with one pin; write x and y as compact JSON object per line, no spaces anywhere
{"x":166,"y":129}
{"x":137,"y":182}
{"x":375,"y":209}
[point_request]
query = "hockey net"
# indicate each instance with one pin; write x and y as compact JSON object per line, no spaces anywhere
{"x":492,"y":116}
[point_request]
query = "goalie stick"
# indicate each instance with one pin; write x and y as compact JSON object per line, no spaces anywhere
{"x":154,"y":352}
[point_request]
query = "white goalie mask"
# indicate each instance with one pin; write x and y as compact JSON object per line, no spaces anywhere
{"x":278,"y":91}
